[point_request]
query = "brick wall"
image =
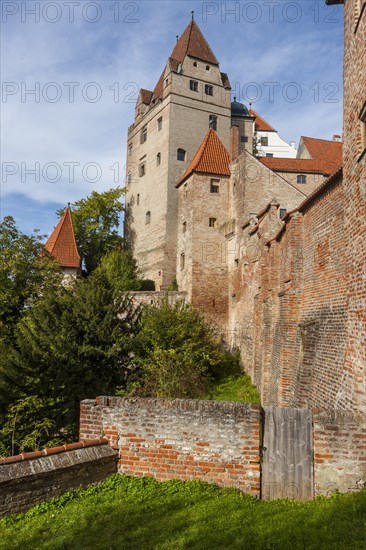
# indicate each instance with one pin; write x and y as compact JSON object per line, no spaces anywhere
{"x":183,"y":439}
{"x":339,"y":451}
{"x":30,"y":478}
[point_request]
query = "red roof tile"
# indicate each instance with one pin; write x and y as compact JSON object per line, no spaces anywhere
{"x":320,"y":166}
{"x":193,"y":43}
{"x":146,"y":96}
{"x":211,"y":158}
{"x":324,"y":150}
{"x":62,"y":245}
{"x":260,"y":124}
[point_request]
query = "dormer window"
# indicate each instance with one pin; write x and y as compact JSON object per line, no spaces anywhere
{"x":181,"y":154}
{"x":143,"y":135}
{"x":193,"y":85}
{"x":208,"y":89}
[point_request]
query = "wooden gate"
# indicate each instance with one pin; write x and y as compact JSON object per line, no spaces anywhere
{"x":287,"y":466}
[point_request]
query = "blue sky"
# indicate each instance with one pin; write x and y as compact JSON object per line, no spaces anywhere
{"x":86,"y":61}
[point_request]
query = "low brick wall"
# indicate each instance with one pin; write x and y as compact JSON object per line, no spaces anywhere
{"x":30,"y":478}
{"x":183,"y":439}
{"x":339,"y":451}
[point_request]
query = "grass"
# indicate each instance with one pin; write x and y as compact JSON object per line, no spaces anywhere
{"x":229,"y":383}
{"x":140,"y":513}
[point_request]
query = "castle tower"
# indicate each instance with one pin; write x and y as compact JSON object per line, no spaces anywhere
{"x":191,"y":96}
{"x":62,"y":246}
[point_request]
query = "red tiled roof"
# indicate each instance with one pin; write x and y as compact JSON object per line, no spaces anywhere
{"x":193,"y":43}
{"x":211,"y":158}
{"x":324,"y":150}
{"x":146,"y":96}
{"x":62,"y":245}
{"x":320,"y":166}
{"x":260,"y":124}
{"x":225,"y":81}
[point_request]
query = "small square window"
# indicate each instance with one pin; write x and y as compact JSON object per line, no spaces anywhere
{"x":244,"y":139}
{"x":212,"y":222}
{"x":264,"y":141}
{"x":214,"y":186}
{"x":208,"y":89}
{"x":301,"y":178}
{"x":269,"y":155}
{"x":193,"y":85}
{"x":160,"y":123}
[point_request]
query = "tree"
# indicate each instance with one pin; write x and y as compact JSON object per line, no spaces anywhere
{"x":25,"y":273}
{"x":176,"y":352}
{"x":96,"y":221}
{"x":120,"y":268}
{"x":74,"y":344}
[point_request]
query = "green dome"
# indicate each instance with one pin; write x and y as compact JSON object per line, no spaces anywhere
{"x":238,"y":109}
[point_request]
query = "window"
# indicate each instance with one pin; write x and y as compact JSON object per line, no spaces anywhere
{"x":148,"y":217}
{"x":143,"y":136}
{"x":193,"y":85}
{"x":182,"y":261}
{"x":244,"y":139}
{"x":214,"y":186}
{"x":212,"y":122}
{"x":194,"y":63}
{"x":264,"y":141}
{"x":160,"y":123}
{"x":181,"y":154}
{"x":301,"y":178}
{"x":158,"y":159}
{"x":207,"y":67}
{"x":129,"y":178}
{"x":269,"y":155}
{"x":142,"y":169}
{"x":166,"y":82}
{"x":282,"y":213}
{"x":138,"y":199}
{"x":212,"y":222}
{"x":184,"y":227}
{"x":208,"y":89}
{"x":130,"y":149}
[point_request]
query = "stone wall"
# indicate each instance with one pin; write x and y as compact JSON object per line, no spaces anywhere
{"x":339,"y":451}
{"x":153,"y":297}
{"x":182,"y":439}
{"x":30,"y":478}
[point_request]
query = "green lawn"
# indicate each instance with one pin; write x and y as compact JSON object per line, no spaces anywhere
{"x":129,"y":513}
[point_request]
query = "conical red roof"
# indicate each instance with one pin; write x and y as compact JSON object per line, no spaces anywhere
{"x":212,"y":157}
{"x":62,"y":244}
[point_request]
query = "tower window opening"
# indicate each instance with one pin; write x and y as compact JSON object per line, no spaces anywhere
{"x":301,"y":178}
{"x":212,"y":222}
{"x":214,"y":186}
{"x":208,"y":89}
{"x":143,"y":136}
{"x":182,"y":261}
{"x":181,"y":154}
{"x":160,"y":123}
{"x":193,"y":85}
{"x":184,"y":227}
{"x":148,"y":217}
{"x":212,"y":122}
{"x":158,"y":159}
{"x":138,"y":199}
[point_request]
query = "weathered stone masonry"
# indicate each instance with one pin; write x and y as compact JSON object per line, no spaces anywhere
{"x":182,"y":439}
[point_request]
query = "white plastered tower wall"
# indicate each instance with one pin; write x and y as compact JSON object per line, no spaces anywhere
{"x":152,"y":199}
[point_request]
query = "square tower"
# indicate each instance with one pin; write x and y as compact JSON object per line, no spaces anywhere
{"x":191,"y":96}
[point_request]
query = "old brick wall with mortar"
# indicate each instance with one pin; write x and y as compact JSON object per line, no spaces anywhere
{"x":339,"y":451}
{"x":30,"y":478}
{"x":180,"y":439}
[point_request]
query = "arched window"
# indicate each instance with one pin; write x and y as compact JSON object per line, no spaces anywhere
{"x":148,"y":217}
{"x":158,"y":159}
{"x":181,"y":154}
{"x":182,"y":260}
{"x":138,"y":199}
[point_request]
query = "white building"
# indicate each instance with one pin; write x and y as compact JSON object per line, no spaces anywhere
{"x":269,"y":143}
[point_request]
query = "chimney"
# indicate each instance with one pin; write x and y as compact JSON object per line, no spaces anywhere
{"x":293,"y":144}
{"x":337,"y":138}
{"x":234,"y":142}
